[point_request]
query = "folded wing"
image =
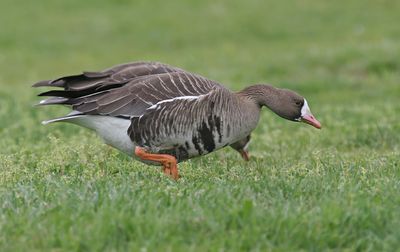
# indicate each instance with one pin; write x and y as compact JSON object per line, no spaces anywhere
{"x":109,"y":78}
{"x":125,"y":90}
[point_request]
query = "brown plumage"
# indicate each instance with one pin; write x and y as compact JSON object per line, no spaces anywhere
{"x":166,"y":113}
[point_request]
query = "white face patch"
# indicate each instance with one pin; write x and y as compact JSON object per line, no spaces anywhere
{"x":305,"y":110}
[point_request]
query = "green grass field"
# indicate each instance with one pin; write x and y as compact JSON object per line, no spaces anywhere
{"x":62,"y":189}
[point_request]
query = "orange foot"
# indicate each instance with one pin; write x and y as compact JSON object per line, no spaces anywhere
{"x":168,"y":162}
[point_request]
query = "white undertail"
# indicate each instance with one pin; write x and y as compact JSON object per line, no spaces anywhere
{"x":113,"y":130}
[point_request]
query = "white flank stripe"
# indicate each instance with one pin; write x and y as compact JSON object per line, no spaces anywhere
{"x":189,"y":97}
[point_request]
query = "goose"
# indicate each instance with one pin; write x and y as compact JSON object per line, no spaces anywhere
{"x":162,"y":115}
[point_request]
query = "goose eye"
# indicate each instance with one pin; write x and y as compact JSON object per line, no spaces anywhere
{"x":299,"y":103}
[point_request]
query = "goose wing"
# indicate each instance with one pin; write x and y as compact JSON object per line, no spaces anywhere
{"x":115,"y":76}
{"x":136,"y":95}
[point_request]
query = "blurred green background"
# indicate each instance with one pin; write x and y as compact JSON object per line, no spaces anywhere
{"x":61,"y":189}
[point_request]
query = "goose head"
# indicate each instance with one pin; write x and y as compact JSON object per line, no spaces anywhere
{"x":284,"y":102}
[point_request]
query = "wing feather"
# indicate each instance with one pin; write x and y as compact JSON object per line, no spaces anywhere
{"x":119,"y":74}
{"x":125,"y":90}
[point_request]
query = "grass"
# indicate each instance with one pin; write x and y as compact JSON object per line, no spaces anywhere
{"x":61,"y":189}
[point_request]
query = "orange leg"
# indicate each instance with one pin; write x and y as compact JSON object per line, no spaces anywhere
{"x":245,"y":155}
{"x":168,"y":162}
